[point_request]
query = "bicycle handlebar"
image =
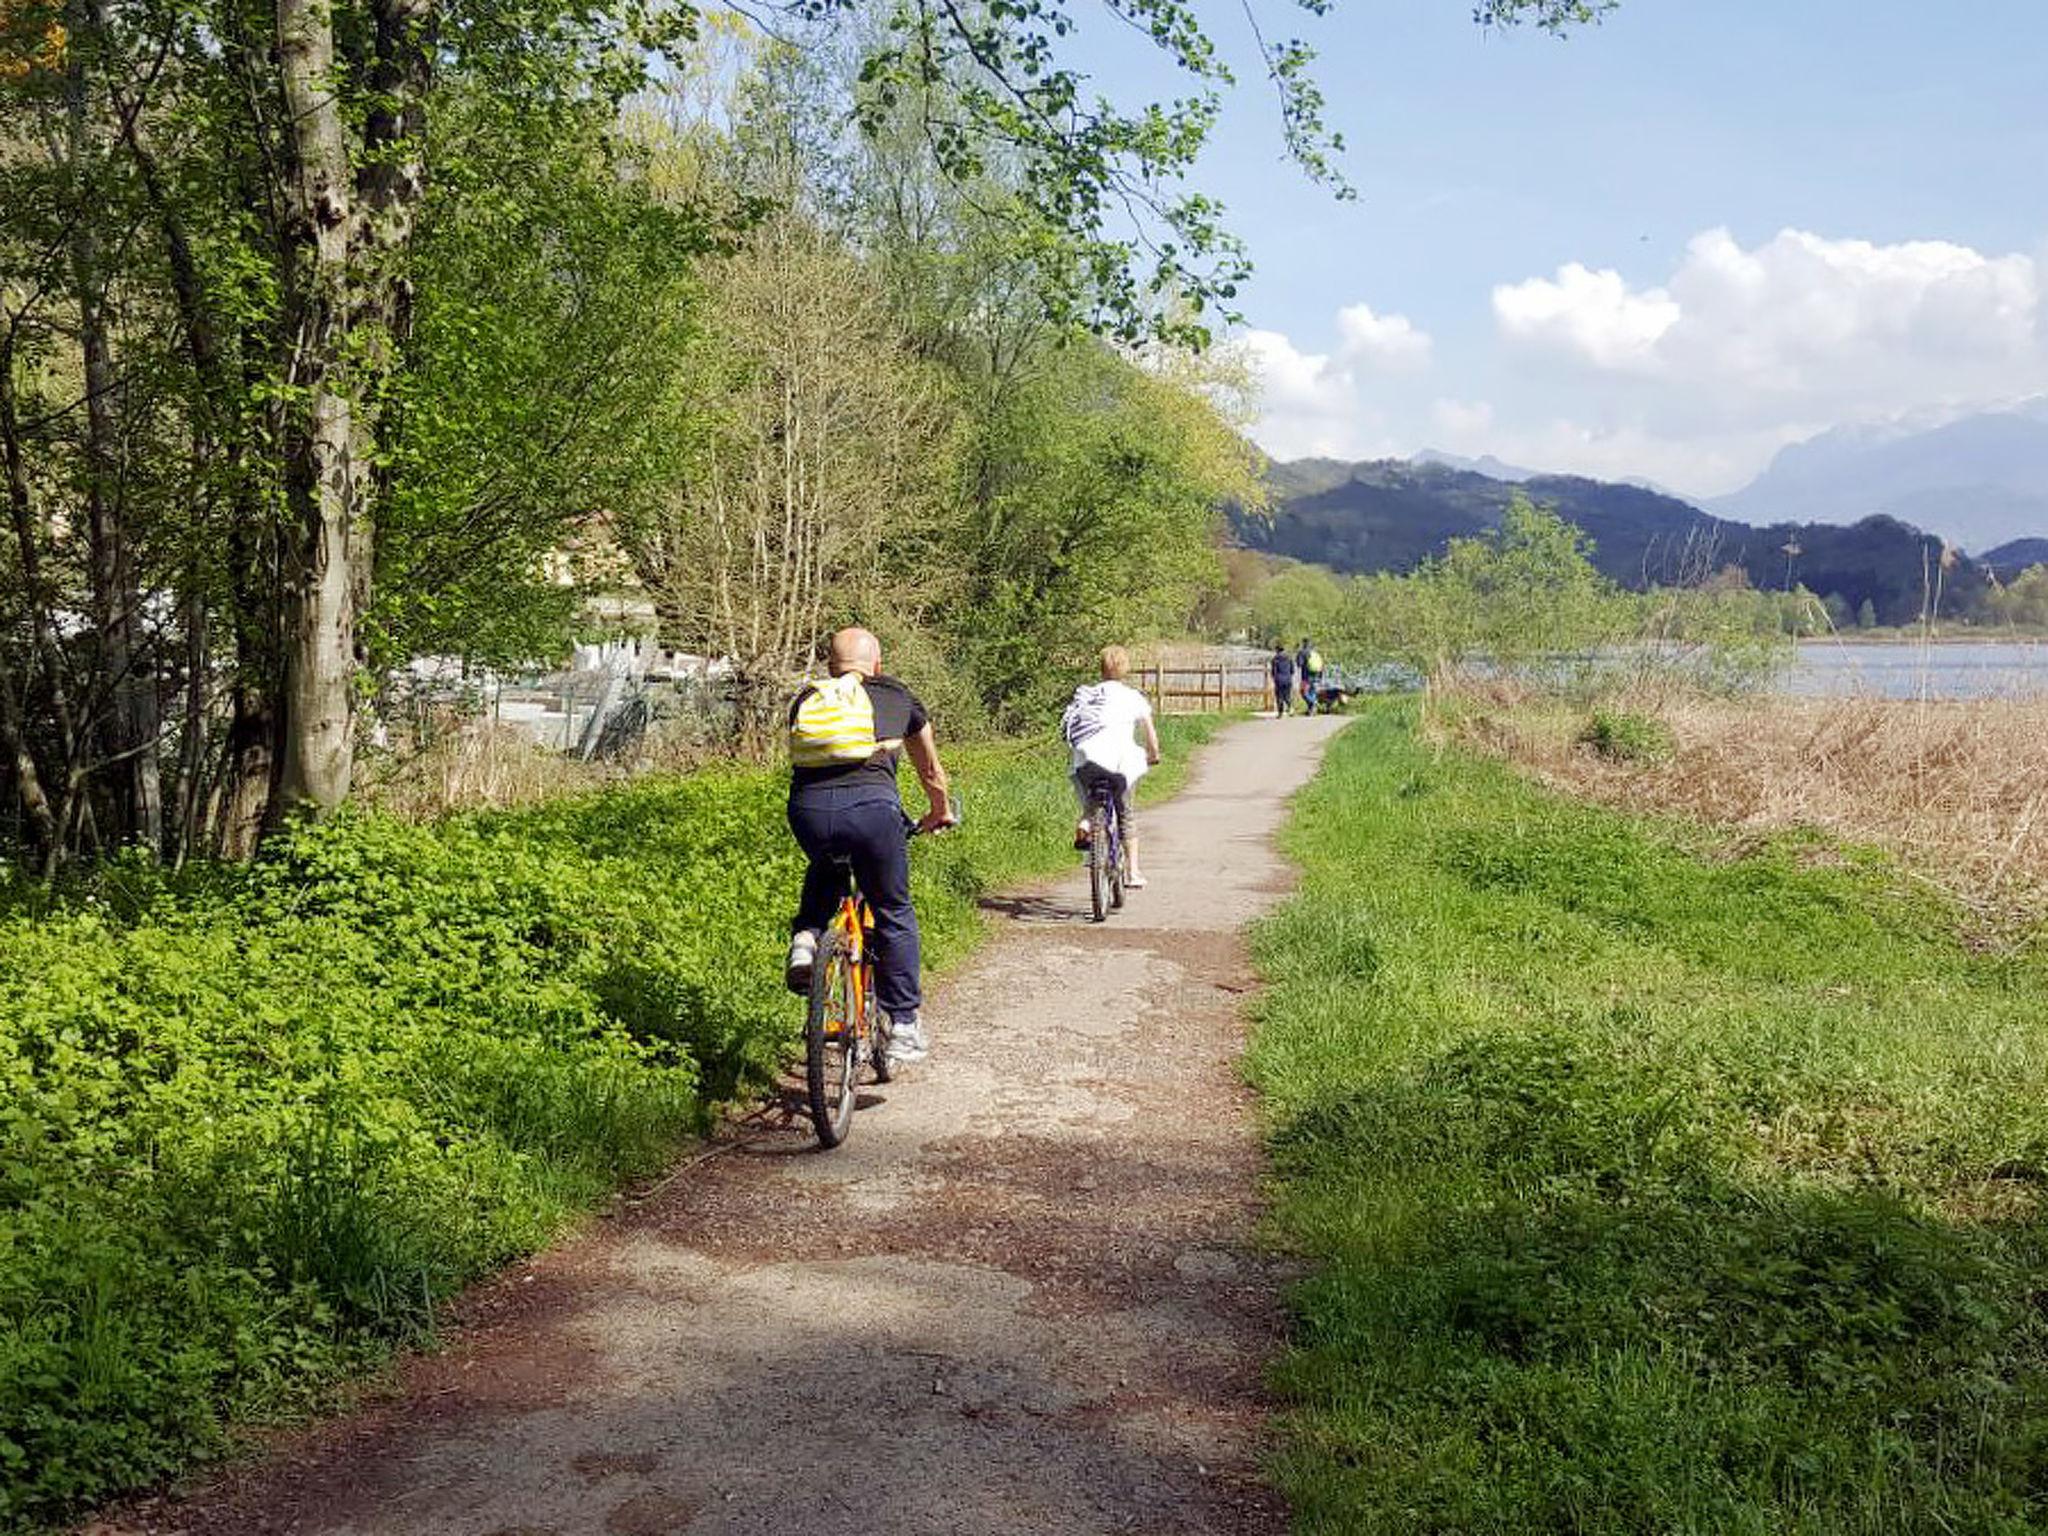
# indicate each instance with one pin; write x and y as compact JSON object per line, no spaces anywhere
{"x":952,"y":808}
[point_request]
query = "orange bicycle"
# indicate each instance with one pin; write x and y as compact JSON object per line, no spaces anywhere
{"x":844,"y":1030}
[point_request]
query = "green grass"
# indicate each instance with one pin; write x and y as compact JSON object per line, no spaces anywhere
{"x":256,"y":1124}
{"x":1644,"y":1193}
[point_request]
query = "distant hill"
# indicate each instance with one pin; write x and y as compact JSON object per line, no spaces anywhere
{"x":1495,"y":469}
{"x":1485,"y":464}
{"x":2008,"y":560}
{"x":1390,"y":515}
{"x":1306,"y":477}
{"x":1978,"y":482}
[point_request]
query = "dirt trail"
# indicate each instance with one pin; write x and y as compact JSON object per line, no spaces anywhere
{"x":1024,"y":1297}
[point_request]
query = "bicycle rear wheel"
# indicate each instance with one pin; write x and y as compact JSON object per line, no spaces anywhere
{"x":1099,"y":860}
{"x":833,"y":1030}
{"x":876,"y":1036}
{"x":1116,"y":864}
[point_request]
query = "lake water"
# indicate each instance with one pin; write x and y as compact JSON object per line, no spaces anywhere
{"x":1950,"y":670}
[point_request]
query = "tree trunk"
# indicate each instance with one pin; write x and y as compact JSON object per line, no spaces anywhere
{"x":347,"y":278}
{"x":44,"y":819}
{"x":249,"y":775}
{"x":224,"y":808}
{"x":318,"y":758}
{"x":128,"y":739}
{"x":758,"y":690}
{"x":28,"y":782}
{"x":326,"y":475}
{"x":192,"y":745}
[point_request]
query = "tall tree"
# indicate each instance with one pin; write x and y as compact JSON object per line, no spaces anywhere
{"x":819,"y":442}
{"x":211,"y":387}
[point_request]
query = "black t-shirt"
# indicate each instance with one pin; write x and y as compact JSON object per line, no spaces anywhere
{"x":1283,"y":669}
{"x":898,"y":714}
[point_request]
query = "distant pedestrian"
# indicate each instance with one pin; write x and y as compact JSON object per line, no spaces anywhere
{"x":1308,"y":663}
{"x":1283,"y":681}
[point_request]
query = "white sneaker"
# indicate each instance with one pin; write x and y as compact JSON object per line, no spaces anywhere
{"x":907,"y":1043}
{"x":803,"y":954}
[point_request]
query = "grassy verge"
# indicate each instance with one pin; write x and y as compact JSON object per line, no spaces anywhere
{"x":1643,"y":1192}
{"x":255,"y":1124}
{"x":1954,"y":786}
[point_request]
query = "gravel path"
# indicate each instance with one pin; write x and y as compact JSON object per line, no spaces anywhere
{"x":1023,"y":1298}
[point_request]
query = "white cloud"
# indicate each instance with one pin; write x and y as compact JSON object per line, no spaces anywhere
{"x":1383,"y":341}
{"x":1591,"y":314}
{"x":1306,"y":409}
{"x":1827,"y":330}
{"x":1462,"y":422}
{"x":1565,"y":445}
{"x":1692,"y":378}
{"x":1318,"y":404}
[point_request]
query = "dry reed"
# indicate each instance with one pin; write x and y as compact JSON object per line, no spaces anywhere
{"x":1958,"y":789}
{"x":480,"y":765}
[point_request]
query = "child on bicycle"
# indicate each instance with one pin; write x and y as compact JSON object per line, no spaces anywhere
{"x":1102,"y":725}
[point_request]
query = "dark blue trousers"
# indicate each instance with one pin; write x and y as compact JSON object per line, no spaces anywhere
{"x":864,"y":826}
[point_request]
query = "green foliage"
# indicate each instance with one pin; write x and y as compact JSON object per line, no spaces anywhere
{"x":884,"y":420}
{"x":555,"y":303}
{"x":269,"y":1121}
{"x":500,"y":358}
{"x":2021,"y":603}
{"x":257,"y":1123}
{"x":1644,"y":1192}
{"x":1628,"y":737}
{"x":1093,"y":520}
{"x":1723,"y":636}
{"x":1519,"y":594}
{"x":1526,"y":600}
{"x":1090,"y":477}
{"x":507,"y":290}
{"x":1299,"y":600}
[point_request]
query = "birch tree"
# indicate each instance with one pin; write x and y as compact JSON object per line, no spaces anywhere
{"x":818,"y":442}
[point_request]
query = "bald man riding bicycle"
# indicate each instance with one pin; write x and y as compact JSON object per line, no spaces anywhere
{"x":847,"y":810}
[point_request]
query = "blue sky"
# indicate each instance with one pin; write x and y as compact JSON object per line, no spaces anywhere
{"x":1663,"y":247}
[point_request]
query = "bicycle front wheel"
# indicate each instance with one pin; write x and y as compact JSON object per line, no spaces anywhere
{"x":833,"y":1031}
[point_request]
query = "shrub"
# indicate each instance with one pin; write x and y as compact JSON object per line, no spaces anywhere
{"x":1625,"y":737}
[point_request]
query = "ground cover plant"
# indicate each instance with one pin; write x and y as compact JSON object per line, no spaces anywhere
{"x":1644,"y":1191}
{"x":255,"y":1123}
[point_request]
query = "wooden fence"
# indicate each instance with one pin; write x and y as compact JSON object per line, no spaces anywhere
{"x":1204,"y":690}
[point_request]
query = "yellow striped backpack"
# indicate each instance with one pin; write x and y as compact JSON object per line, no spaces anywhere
{"x":834,"y":724}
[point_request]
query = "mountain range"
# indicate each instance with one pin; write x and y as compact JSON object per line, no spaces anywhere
{"x":1980,"y":481}
{"x":1858,"y":513}
{"x":1392,"y":514}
